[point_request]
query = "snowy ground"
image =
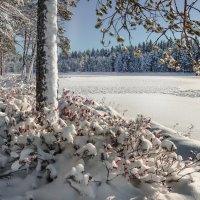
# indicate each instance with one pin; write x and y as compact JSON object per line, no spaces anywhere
{"x":173,"y":101}
{"x":38,"y":149}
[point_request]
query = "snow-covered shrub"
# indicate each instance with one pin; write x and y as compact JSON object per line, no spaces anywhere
{"x":80,"y":181}
{"x":31,"y":141}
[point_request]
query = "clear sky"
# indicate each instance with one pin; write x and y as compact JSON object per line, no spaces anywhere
{"x":83,"y":35}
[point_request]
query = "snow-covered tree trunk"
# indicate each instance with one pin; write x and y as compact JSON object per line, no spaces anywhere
{"x":46,"y":60}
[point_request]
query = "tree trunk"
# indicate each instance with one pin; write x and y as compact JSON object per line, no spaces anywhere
{"x":2,"y":63}
{"x":32,"y":63}
{"x":27,"y":41}
{"x":1,"y":58}
{"x":46,"y":60}
{"x":24,"y":52}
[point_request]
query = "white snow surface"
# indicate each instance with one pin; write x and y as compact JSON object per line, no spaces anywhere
{"x":172,"y":99}
{"x":72,"y":172}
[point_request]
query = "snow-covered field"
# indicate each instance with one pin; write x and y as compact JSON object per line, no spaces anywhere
{"x":173,"y":101}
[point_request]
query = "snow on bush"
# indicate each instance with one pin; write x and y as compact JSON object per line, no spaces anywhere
{"x":30,"y":141}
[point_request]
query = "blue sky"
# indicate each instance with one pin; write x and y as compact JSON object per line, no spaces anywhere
{"x":83,"y":35}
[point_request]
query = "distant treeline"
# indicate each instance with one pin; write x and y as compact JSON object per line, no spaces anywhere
{"x":116,"y":59}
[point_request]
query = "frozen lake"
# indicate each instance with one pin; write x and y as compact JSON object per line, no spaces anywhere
{"x":173,"y":101}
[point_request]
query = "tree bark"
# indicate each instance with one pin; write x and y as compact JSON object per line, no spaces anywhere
{"x":46,"y":60}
